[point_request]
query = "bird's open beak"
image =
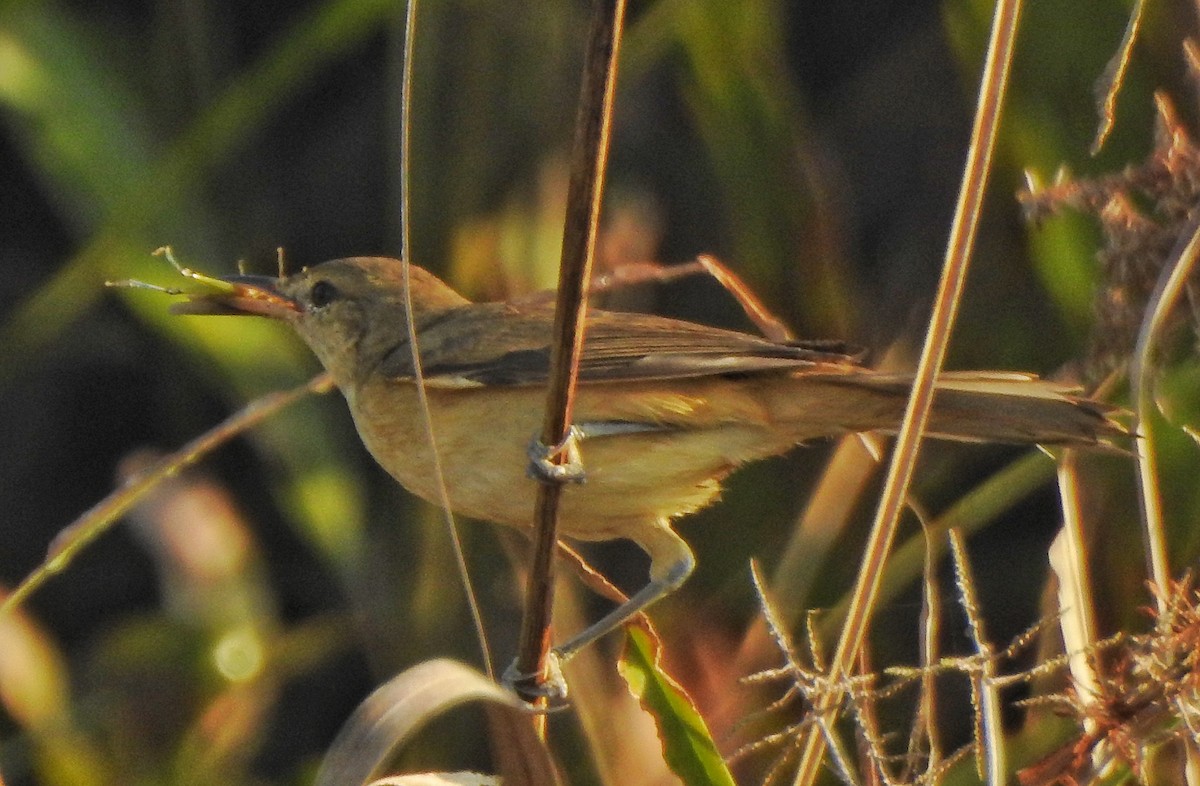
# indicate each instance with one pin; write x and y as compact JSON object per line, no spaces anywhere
{"x":244,"y":295}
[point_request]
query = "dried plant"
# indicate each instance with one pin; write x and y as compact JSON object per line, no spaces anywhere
{"x":1142,"y":211}
{"x":1148,"y":696}
{"x":810,"y":683}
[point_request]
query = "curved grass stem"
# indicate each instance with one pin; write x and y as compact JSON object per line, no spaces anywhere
{"x":104,"y":514}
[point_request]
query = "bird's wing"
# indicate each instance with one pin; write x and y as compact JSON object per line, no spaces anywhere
{"x":459,"y":349}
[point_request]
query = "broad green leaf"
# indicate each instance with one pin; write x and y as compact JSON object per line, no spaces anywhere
{"x":688,"y":747}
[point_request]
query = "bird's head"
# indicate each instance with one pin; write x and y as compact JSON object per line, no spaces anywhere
{"x":351,"y":312}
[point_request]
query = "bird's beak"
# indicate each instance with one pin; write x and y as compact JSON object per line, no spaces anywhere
{"x":243,"y":295}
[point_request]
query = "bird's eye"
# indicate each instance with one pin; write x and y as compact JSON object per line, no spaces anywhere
{"x":322,"y":294}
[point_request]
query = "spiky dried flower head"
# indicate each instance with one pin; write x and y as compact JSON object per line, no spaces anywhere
{"x":1149,"y":696}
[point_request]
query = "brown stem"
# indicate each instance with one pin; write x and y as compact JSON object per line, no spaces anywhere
{"x":590,"y":154}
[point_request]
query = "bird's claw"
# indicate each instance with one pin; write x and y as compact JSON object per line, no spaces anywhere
{"x":553,"y":687}
{"x":543,"y":467}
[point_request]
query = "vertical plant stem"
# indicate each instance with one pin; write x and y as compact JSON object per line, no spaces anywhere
{"x":1166,"y":293}
{"x":460,"y":556}
{"x":1068,"y":559}
{"x":931,"y":619}
{"x":588,"y":160}
{"x":900,"y":470}
{"x":1076,"y":609}
{"x":989,"y":734}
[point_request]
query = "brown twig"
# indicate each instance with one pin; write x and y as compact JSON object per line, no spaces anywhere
{"x":590,"y":154}
{"x":771,"y":326}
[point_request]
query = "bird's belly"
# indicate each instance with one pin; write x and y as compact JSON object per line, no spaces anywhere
{"x":483,"y":436}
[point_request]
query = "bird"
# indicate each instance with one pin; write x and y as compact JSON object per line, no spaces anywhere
{"x":665,"y":409}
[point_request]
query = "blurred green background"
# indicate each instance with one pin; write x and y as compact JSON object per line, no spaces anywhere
{"x":815,"y":147}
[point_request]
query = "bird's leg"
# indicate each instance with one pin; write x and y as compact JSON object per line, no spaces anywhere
{"x":656,"y":590}
{"x":671,"y":562}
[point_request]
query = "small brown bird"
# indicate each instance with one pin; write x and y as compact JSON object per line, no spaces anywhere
{"x":665,"y":409}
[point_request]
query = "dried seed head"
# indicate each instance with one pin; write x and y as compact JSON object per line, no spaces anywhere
{"x":1142,"y":212}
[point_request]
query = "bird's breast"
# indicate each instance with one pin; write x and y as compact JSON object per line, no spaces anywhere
{"x":676,"y":443}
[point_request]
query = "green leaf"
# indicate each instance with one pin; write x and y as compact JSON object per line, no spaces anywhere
{"x":687,"y":745}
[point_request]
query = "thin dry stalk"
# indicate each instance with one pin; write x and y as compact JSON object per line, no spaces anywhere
{"x":989,"y":733}
{"x":1108,"y":86}
{"x":1068,"y":560}
{"x":460,"y":557}
{"x":925,"y":724}
{"x":828,"y":511}
{"x":1170,"y":286}
{"x":900,"y":471}
{"x":771,"y":326}
{"x":589,"y":159}
{"x":104,"y":514}
{"x":861,"y":696}
{"x":872,"y":764}
{"x":969,"y":514}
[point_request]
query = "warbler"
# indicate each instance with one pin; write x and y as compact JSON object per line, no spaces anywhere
{"x":664,"y":410}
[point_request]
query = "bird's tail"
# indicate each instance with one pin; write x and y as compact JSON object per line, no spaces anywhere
{"x":968,"y":407}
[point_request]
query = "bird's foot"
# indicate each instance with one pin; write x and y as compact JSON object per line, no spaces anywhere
{"x":542,"y":464}
{"x":531,"y":687}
